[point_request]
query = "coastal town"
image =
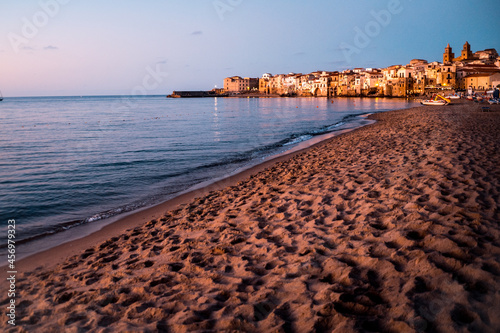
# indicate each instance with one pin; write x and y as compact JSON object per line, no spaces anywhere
{"x":479,"y":71}
{"x":476,"y":72}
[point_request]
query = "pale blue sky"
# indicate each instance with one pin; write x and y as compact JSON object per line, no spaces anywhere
{"x":107,"y":47}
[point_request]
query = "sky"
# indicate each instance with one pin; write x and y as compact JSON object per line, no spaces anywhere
{"x":104,"y":47}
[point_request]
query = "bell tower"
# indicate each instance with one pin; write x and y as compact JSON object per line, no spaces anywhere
{"x":448,"y":55}
{"x":466,"y":52}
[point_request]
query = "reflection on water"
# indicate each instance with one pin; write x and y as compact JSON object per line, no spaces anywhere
{"x":72,"y":159}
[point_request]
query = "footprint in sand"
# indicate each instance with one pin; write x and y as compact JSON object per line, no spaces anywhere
{"x":74,"y":317}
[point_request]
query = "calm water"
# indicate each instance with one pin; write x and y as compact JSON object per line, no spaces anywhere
{"x":71,"y":160}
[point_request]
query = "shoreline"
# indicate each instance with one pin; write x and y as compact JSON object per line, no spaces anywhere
{"x":391,"y":227}
{"x":53,"y":234}
{"x":257,"y":95}
{"x":71,"y":242}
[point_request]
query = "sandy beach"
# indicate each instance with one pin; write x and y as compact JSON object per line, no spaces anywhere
{"x":393,"y":227}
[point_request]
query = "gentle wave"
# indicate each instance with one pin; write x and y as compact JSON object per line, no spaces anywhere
{"x":59,"y":176}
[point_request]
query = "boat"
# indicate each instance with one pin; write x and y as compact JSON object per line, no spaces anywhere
{"x":1,"y":97}
{"x":453,"y":98}
{"x":433,"y":102}
{"x":441,"y":101}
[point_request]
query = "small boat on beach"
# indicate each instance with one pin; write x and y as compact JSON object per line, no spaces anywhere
{"x":433,"y":102}
{"x":441,"y":101}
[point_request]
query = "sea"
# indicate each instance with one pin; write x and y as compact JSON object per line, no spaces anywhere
{"x":72,"y":161}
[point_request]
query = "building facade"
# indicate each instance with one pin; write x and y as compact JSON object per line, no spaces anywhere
{"x":239,"y":84}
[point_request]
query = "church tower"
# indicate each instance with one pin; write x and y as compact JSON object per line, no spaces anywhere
{"x":448,"y":55}
{"x":466,"y":52}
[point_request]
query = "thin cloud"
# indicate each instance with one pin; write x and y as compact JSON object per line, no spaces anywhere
{"x":337,"y":62}
{"x":51,"y":47}
{"x":27,"y":48}
{"x":197,"y":33}
{"x":298,"y":54}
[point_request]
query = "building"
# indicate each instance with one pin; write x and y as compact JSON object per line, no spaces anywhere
{"x":291,"y":84}
{"x":264,"y":83}
{"x":276,"y":84}
{"x":482,"y":82}
{"x":488,"y":55}
{"x":472,"y":69}
{"x":447,"y":76}
{"x":466,"y":54}
{"x":320,"y":86}
{"x":415,"y":62}
{"x":371,"y":82}
{"x":238,"y":84}
{"x":448,"y":55}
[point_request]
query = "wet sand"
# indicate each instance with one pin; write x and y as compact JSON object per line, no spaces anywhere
{"x":393,"y":227}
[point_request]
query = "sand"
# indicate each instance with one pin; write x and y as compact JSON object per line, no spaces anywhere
{"x":393,"y":227}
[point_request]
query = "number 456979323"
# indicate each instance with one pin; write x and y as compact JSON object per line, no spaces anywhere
{"x":11,"y":243}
